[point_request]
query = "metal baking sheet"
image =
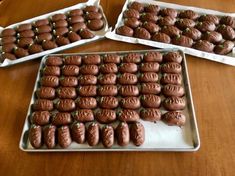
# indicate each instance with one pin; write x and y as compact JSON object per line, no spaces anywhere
{"x":225,"y":59}
{"x":98,"y":34}
{"x":158,"y":136}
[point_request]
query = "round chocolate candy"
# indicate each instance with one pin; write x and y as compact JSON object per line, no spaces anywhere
{"x":151,"y":27}
{"x":49,"y":136}
{"x":24,"y":27}
{"x":128,"y":68}
{"x":171,"y":31}
{"x":112,"y":58}
{"x":77,"y":27}
{"x":204,"y":45}
{"x":182,"y":41}
{"x":150,"y":88}
{"x":91,"y":8}
{"x":40,"y":118}
{"x":105,"y":115}
{"x":150,"y":17}
{"x":92,"y":59}
{"x":161,"y":37}
{"x":174,"y":118}
{"x":108,"y":90}
{"x":67,"y":92}
{"x":171,"y":78}
{"x":83,"y":115}
{"x":205,"y":26}
{"x":8,"y":48}
{"x":173,"y":57}
{"x":224,"y":48}
{"x":131,"y":13}
{"x":60,"y":41}
{"x":213,"y":37}
{"x":107,"y":79}
{"x":95,"y":24}
{"x":54,"y":61}
{"x":75,"y":12}
{"x":150,"y":114}
{"x":166,"y":21}
{"x":108,"y":102}
{"x":65,"y":105}
{"x":127,"y":115}
{"x":173,"y":90}
{"x":24,"y":42}
{"x":20,"y":52}
{"x":70,"y":70}
{"x":208,"y":17}
{"x":152,"y":8}
{"x":185,"y":23}
{"x":86,"y":102}
{"x":171,"y":67}
{"x":174,"y":103}
{"x":8,"y":32}
{"x":107,"y":135}
{"x":148,"y":77}
{"x":78,"y":131}
{"x":26,"y":34}
{"x":142,"y":33}
{"x":61,"y":118}
{"x":41,"y":22}
{"x":130,"y":103}
{"x":73,"y":60}
{"x":93,"y":134}
{"x":192,"y":33}
{"x":43,"y":29}
{"x":227,"y":32}
{"x":86,"y":34}
{"x":89,"y":69}
{"x":150,"y":101}
{"x":51,"y":71}
{"x":58,"y":17}
{"x":93,"y":16}
{"x":60,"y":31}
{"x":35,"y":48}
{"x":132,"y":22}
{"x":125,"y":30}
{"x":41,"y":37}
{"x":68,"y":81}
{"x":108,"y":68}
{"x":75,"y":19}
{"x":149,"y":67}
{"x":48,"y":45}
{"x":127,"y":78}
{"x":8,"y":56}
{"x":137,"y":6}
{"x":123,"y":134}
{"x":137,"y":133}
{"x":188,"y":14}
{"x":7,"y":39}
{"x":60,"y":23}
{"x":152,"y":56}
{"x":129,"y":90}
{"x":64,"y":137}
{"x":87,"y":91}
{"x":46,"y":92}
{"x":228,"y":20}
{"x":73,"y":36}
{"x":43,"y":105}
{"x":35,"y":136}
{"x":49,"y":81}
{"x":168,"y":12}
{"x":87,"y":80}
{"x":132,"y":58}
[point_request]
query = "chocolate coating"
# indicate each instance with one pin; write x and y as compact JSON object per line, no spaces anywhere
{"x":192,"y":33}
{"x":112,"y":58}
{"x":41,"y":22}
{"x":68,"y":81}
{"x":150,"y":114}
{"x":93,"y":16}
{"x":49,"y":136}
{"x":174,"y":118}
{"x":83,"y":115}
{"x":125,"y":30}
{"x":64,"y":137}
{"x":92,"y":59}
{"x":93,"y":134}
{"x":35,"y":48}
{"x":95,"y":24}
{"x":40,"y":118}
{"x":227,"y":32}
{"x":86,"y":34}
{"x":150,"y":101}
{"x":108,"y":102}
{"x":224,"y":48}
{"x":128,"y":68}
{"x":150,"y":88}
{"x":8,"y":39}
{"x":48,"y":45}
{"x":150,"y":17}
{"x":228,"y":20}
{"x":137,"y":6}
{"x":151,"y":27}
{"x":208,"y":17}
{"x":161,"y":37}
{"x":73,"y":60}
{"x":171,"y":67}
{"x":182,"y":41}
{"x":51,"y":71}
{"x":152,"y":56}
{"x":78,"y":26}
{"x":20,"y":52}
{"x":132,"y":22}
{"x":123,"y":134}
{"x":205,"y":26}
{"x":131,"y":13}
{"x":87,"y":80}
{"x":87,"y":91}
{"x":174,"y":103}
{"x":49,"y":81}
{"x":188,"y":14}
{"x":108,"y":90}
{"x":67,"y":92}
{"x":8,"y":56}
{"x":129,"y":90}
{"x":89,"y":69}
{"x":152,"y":8}
{"x":142,"y":33}
{"x":108,"y":79}
{"x":60,"y":23}
{"x":213,"y":37}
{"x":60,"y":31}
{"x":75,"y":12}
{"x":166,"y":21}
{"x":24,"y":27}
{"x":127,"y":78}
{"x":61,"y":118}
{"x":35,"y":136}
{"x":148,"y":77}
{"x":78,"y":132}
{"x":73,"y":36}
{"x":137,"y":133}
{"x":173,"y":90}
{"x":8,"y":32}
{"x":70,"y":70}
{"x":41,"y":37}
{"x":65,"y":105}
{"x":43,"y":105}
{"x":185,"y":23}
{"x":108,"y":68}
{"x":130,"y":103}
{"x":91,"y":8}
{"x":86,"y":102}
{"x":60,"y":40}
{"x":8,"y":48}
{"x":173,"y":57}
{"x":127,"y":115}
{"x":168,"y":12}
{"x":107,"y":135}
{"x":204,"y":45}
{"x":105,"y":115}
{"x":24,"y":42}
{"x":46,"y":93}
{"x":43,"y":29}
{"x":132,"y":58}
{"x":171,"y":78}
{"x":171,"y":31}
{"x":149,"y":67}
{"x":58,"y":17}
{"x":26,"y":34}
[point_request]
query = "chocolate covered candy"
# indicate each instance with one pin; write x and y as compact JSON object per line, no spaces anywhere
{"x":65,"y":105}
{"x":123,"y":134}
{"x":174,"y":118}
{"x":137,"y":133}
{"x":86,"y":102}
{"x":49,"y":136}
{"x":107,"y":135}
{"x":128,"y":90}
{"x":87,"y":91}
{"x":40,"y":118}
{"x":150,"y":88}
{"x":173,"y":90}
{"x":64,"y":137}
{"x":46,"y":93}
{"x":150,"y":114}
{"x":130,"y":103}
{"x":150,"y":101}
{"x":174,"y":103}
{"x":127,"y":115}
{"x":61,"y":118}
{"x":67,"y":92}
{"x":108,"y":102}
{"x":78,"y":132}
{"x":83,"y":115}
{"x":35,"y":136}
{"x":93,"y":134}
{"x":107,"y":90}
{"x":171,"y":78}
{"x":127,"y":78}
{"x":105,"y":115}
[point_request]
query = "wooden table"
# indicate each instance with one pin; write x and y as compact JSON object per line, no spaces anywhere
{"x":213,"y":88}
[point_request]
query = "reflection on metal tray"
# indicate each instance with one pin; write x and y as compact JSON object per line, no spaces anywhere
{"x":158,"y":136}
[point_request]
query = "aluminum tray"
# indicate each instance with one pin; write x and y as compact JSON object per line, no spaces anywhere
{"x":225,"y":59}
{"x":159,"y":136}
{"x":98,"y":34}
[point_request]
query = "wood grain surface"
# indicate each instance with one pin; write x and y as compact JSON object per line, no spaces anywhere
{"x":213,"y":89}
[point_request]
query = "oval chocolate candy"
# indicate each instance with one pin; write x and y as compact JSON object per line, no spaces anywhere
{"x":77,"y":27}
{"x":184,"y":23}
{"x":83,"y":115}
{"x":152,"y":8}
{"x":70,"y":70}
{"x":150,"y":114}
{"x":24,"y":42}
{"x":137,"y":133}
{"x":107,"y":79}
{"x":227,"y":32}
{"x":204,"y":45}
{"x":68,"y":81}
{"x":151,"y":27}
{"x":43,"y":29}
{"x":92,"y":59}
{"x":7,"y":39}
{"x":60,"y":41}
{"x":86,"y":102}
{"x":87,"y":91}
{"x":228,"y":20}
{"x":137,"y":6}
{"x":132,"y":22}
{"x":8,"y":48}
{"x":167,"y":21}
{"x":49,"y":136}
{"x":161,"y":37}
{"x":60,"y":23}
{"x":35,"y":136}
{"x":127,"y":78}
{"x":7,"y":32}
{"x":188,"y":14}
{"x":174,"y":118}
{"x":142,"y":33}
{"x":128,"y":68}
{"x":91,"y":8}
{"x":64,"y":137}
{"x":108,"y":102}
{"x":224,"y":48}
{"x":93,"y":134}
{"x":192,"y":33}
{"x":49,"y":81}
{"x":174,"y":103}
{"x":149,"y":67}
{"x":213,"y":37}
{"x":149,"y":17}
{"x":171,"y":31}
{"x":152,"y":56}
{"x":148,"y":77}
{"x":65,"y":105}
{"x":131,"y":13}
{"x":87,"y":80}
{"x":75,"y":12}
{"x":209,"y":17}
{"x":123,"y":134}
{"x":54,"y":61}
{"x":26,"y":34}
{"x":40,"y":118}
{"x":51,"y":71}
{"x":89,"y":69}
{"x":57,"y":17}
{"x":67,"y":92}
{"x":205,"y":26}
{"x":112,"y":58}
{"x":93,"y":15}
{"x":45,"y":93}
{"x":62,"y":31}
{"x":35,"y":48}
{"x":127,"y":115}
{"x":150,"y":88}
{"x":171,"y":78}
{"x":125,"y":30}
{"x":86,"y":34}
{"x":168,"y":12}
{"x":78,"y":131}
{"x":171,"y":67}
{"x":95,"y":25}
{"x":105,"y":115}
{"x":73,"y":60}
{"x":20,"y":52}
{"x":108,"y":90}
{"x":75,"y":19}
{"x":130,"y":103}
{"x":43,"y":105}
{"x":61,"y":118}
{"x":107,"y":135}
{"x":24,"y":27}
{"x":173,"y":90}
{"x":43,"y":37}
{"x":129,"y":90}
{"x":151,"y":101}
{"x":108,"y":68}
{"x":182,"y":41}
